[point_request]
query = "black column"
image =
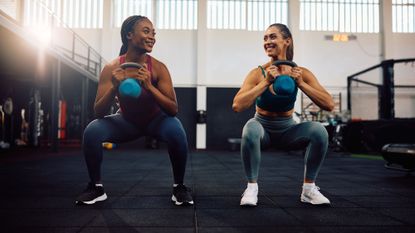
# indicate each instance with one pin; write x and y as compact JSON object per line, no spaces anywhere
{"x":387,"y":91}
{"x":349,"y":94}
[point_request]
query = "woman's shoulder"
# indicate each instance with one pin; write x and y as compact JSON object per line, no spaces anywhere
{"x":257,"y":71}
{"x":304,"y":68}
{"x":255,"y":74}
{"x":307,"y":75}
{"x":306,"y":71}
{"x":266,"y":65}
{"x":109,"y":67}
{"x":157,"y":64}
{"x":114,"y":63}
{"x":260,"y":70}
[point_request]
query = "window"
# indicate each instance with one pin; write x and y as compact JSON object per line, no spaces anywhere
{"x":178,"y":14}
{"x":340,"y":15}
{"x":403,"y":16}
{"x":38,"y":13}
{"x":169,"y":14}
{"x":226,"y":14}
{"x":74,"y":13}
{"x":123,"y":9}
{"x":263,"y":13}
{"x":246,"y":14}
{"x":83,"y":14}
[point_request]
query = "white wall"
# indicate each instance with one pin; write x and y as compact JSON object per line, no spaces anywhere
{"x":222,"y":58}
{"x":230,"y":54}
{"x":403,"y":45}
{"x":177,"y":49}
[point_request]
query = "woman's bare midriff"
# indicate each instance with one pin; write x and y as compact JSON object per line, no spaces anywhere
{"x":263,"y":112}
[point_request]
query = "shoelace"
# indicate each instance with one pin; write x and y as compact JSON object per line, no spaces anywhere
{"x":315,"y":191}
{"x":183,"y":188}
{"x":249,"y":192}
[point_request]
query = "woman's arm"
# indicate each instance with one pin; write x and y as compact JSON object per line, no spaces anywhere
{"x":309,"y":84}
{"x":252,"y":87}
{"x":164,"y":92}
{"x":105,"y":93}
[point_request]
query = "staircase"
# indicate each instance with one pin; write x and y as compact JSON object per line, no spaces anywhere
{"x":63,"y":43}
{"x":65,"y":46}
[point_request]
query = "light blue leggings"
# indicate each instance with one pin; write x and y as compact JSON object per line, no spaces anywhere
{"x":283,"y":133}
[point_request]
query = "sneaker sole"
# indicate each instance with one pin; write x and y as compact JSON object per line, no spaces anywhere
{"x":174,"y":200}
{"x":100,"y":198}
{"x":248,"y":204}
{"x":305,"y":200}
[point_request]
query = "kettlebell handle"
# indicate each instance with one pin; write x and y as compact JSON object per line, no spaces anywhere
{"x":130,"y":65}
{"x":130,"y":87}
{"x":284,"y":62}
{"x":126,"y":65}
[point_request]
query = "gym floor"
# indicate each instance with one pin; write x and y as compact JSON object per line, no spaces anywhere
{"x":38,"y":191}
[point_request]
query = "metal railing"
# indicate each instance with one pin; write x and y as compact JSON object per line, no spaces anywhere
{"x":68,"y":43}
{"x":79,"y":51}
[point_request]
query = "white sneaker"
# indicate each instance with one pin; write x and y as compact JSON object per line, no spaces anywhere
{"x":312,"y":195}
{"x":250,"y":195}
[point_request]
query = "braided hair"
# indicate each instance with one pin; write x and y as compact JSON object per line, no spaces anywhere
{"x":128,"y":26}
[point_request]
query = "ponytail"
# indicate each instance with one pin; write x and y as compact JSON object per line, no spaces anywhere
{"x":285,"y":32}
{"x":290,"y":51}
{"x":123,"y":49}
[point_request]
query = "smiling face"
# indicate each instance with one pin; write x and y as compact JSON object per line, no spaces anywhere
{"x":143,"y":36}
{"x":275,"y":45}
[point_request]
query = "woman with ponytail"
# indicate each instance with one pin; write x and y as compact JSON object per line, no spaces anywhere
{"x":273,"y":124}
{"x":152,"y":114}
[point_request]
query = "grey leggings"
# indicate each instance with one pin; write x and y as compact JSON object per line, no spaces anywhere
{"x":284,"y":133}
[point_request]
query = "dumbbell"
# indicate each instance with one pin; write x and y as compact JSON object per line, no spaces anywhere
{"x":284,"y":85}
{"x":130,"y":87}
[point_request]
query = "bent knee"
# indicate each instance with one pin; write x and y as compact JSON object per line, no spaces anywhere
{"x":252,"y":130}
{"x":318,"y":132}
{"x":252,"y":133}
{"x":93,"y":132}
{"x":174,"y":132}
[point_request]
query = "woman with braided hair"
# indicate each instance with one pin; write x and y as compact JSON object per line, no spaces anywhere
{"x":151,"y":114}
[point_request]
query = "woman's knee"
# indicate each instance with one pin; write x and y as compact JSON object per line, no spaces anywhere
{"x":93,"y":132}
{"x":318,"y":132}
{"x":174,"y":131}
{"x":252,"y":132}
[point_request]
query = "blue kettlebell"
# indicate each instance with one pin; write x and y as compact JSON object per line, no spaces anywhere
{"x":284,"y":85}
{"x":130,"y":87}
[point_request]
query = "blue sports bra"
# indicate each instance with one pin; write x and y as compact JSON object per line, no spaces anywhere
{"x":276,"y":103}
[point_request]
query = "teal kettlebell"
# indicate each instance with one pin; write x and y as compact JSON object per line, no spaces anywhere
{"x":284,"y":85}
{"x":130,"y":87}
